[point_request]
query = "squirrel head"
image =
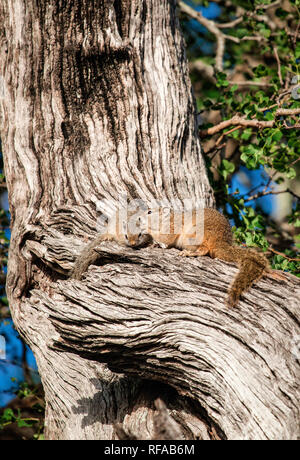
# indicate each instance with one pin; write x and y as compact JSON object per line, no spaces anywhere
{"x":132,"y":229}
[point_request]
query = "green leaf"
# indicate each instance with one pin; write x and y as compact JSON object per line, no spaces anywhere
{"x":222,"y":79}
{"x":269,"y":116}
{"x":25,"y":422}
{"x":228,"y":166}
{"x":277,"y":136}
{"x":261,"y":71}
{"x":247,"y":133}
{"x":249,"y":239}
{"x":264,"y":30}
{"x":8,"y":415}
{"x":297,"y":223}
{"x":291,"y":173}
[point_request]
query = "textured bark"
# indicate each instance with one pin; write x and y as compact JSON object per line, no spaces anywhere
{"x":97,"y":102}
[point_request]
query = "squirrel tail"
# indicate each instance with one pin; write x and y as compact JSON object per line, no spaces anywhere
{"x":251,"y":264}
{"x":87,"y":257}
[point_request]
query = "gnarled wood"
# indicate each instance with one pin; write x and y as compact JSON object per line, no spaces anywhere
{"x":148,"y":314}
{"x":97,"y":102}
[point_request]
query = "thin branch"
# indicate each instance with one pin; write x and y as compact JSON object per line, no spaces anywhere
{"x":271,"y":177}
{"x":236,"y":120}
{"x":229,"y":25}
{"x":295,"y":161}
{"x":206,"y":70}
{"x":263,"y":109}
{"x":287,"y":112}
{"x":227,"y":132}
{"x":263,"y":18}
{"x":258,"y":38}
{"x":212,"y":27}
{"x":215,"y":149}
{"x":296,"y":33}
{"x":239,"y":120}
{"x":293,"y":194}
{"x":291,"y":259}
{"x":268,"y":6}
{"x":296,"y":125}
{"x":278,"y":66}
{"x":220,"y":52}
{"x":249,"y":83}
{"x":252,"y":14}
{"x":271,"y":192}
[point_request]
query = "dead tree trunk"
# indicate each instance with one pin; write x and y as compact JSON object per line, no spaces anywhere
{"x":96,"y":101}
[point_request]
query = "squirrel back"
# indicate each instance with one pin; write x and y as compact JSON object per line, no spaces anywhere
{"x":207,"y":232}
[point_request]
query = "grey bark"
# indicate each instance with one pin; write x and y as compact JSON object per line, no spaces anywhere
{"x":96,"y":101}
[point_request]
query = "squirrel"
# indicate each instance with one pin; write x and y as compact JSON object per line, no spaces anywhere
{"x":181,"y":230}
{"x":123,"y":228}
{"x":216,"y":240}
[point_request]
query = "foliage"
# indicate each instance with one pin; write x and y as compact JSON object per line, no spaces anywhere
{"x":259,"y":85}
{"x":9,"y":416}
{"x":26,"y":412}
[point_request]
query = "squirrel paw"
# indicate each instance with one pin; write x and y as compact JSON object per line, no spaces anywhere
{"x":198,"y":252}
{"x":187,"y":253}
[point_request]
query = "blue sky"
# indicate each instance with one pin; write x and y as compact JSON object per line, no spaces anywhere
{"x":11,"y":367}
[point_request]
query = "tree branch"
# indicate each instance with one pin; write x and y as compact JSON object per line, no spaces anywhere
{"x":250,"y":83}
{"x":290,"y":259}
{"x":242,"y":121}
{"x":128,"y":314}
{"x":214,"y":28}
{"x":278,"y":65}
{"x":271,"y":192}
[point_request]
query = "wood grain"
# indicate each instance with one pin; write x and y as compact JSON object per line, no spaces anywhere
{"x":96,"y":102}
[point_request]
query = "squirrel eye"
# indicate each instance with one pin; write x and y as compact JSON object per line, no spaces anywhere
{"x":140,"y":234}
{"x":126,"y":236}
{"x":149,"y":212}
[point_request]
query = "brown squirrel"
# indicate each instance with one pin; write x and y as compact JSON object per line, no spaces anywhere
{"x":215,"y":240}
{"x":124,"y":229}
{"x":178,"y":229}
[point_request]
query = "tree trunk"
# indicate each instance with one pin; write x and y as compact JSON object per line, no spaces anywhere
{"x":97,"y":102}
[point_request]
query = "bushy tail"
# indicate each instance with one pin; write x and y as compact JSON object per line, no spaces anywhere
{"x":87,"y":257}
{"x":252,"y":265}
